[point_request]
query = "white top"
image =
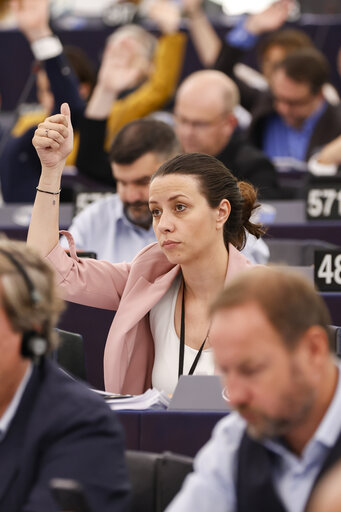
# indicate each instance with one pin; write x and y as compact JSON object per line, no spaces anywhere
{"x":167,"y":343}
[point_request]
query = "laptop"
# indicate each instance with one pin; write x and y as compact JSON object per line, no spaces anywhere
{"x":199,"y":393}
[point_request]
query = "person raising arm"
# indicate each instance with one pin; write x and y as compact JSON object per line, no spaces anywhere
{"x":201,"y":215}
{"x":53,"y":140}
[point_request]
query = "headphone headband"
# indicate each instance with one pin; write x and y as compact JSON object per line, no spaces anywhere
{"x":34,"y":294}
{"x":33,"y":344}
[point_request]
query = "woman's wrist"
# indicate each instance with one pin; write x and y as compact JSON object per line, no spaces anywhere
{"x":50,"y":183}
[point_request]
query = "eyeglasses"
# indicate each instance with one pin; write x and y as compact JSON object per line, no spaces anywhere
{"x":199,"y":125}
{"x":299,"y":102}
{"x":225,"y":395}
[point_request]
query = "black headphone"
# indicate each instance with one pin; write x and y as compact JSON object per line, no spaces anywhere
{"x":33,"y":346}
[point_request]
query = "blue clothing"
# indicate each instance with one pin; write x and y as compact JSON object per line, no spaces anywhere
{"x":103,"y":228}
{"x":282,"y":140}
{"x":61,"y":429}
{"x":214,"y":478}
{"x":239,"y":37}
{"x":20,"y":166}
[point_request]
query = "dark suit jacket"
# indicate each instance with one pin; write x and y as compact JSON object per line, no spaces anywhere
{"x":61,"y":429}
{"x":229,"y":56}
{"x":19,"y":163}
{"x":255,"y":488}
{"x":326,"y":129}
{"x":259,"y":103}
{"x":248,"y":163}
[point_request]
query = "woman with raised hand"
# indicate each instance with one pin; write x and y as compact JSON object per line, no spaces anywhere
{"x":161,"y":328}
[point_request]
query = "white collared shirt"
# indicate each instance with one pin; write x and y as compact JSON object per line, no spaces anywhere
{"x":11,"y":409}
{"x":214,"y":478}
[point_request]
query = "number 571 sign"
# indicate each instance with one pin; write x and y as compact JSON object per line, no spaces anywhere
{"x":323,"y":203}
{"x":327,"y":271}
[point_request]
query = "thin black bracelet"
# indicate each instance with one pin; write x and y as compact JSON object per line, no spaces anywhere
{"x":47,"y":192}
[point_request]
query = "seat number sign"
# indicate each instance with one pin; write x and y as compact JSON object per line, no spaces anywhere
{"x":327,"y":271}
{"x":323,"y":203}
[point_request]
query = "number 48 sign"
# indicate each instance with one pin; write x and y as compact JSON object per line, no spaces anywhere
{"x":327,"y":272}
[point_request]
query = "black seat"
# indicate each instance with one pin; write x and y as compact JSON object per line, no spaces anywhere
{"x":295,"y":252}
{"x":336,"y":338}
{"x":155,"y":478}
{"x":70,"y":354}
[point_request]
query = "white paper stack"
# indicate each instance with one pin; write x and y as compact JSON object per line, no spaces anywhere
{"x":151,"y":399}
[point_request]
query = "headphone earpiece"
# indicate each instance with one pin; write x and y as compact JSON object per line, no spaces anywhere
{"x":33,"y":346}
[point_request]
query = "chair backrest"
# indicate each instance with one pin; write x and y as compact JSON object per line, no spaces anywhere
{"x":70,"y":354}
{"x":142,"y":474}
{"x":336,"y":333}
{"x":155,"y":478}
{"x":172,"y":470}
{"x":295,"y":252}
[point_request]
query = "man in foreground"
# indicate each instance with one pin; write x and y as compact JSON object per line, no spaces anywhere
{"x":50,"y":425}
{"x":283,"y":383}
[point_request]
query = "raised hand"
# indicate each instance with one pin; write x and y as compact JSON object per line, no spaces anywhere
{"x":53,"y":140}
{"x":271,"y":18}
{"x":32,"y":17}
{"x":331,"y":152}
{"x":165,"y":13}
{"x":191,"y":7}
{"x":122,"y":66}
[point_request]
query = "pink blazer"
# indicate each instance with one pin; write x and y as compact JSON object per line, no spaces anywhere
{"x":131,"y":289}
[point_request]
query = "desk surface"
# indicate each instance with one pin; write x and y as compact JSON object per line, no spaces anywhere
{"x":15,"y":218}
{"x":183,"y":432}
{"x":293,"y":212}
{"x":290,"y":222}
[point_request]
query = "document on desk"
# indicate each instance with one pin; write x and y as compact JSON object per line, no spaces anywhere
{"x":151,"y":399}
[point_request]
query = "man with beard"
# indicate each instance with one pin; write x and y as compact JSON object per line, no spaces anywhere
{"x":283,"y":384}
{"x":117,"y":227}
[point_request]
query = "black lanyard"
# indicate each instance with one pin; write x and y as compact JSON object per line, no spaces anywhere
{"x":182,"y":340}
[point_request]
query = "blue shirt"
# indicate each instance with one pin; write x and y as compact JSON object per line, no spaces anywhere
{"x":103,"y":228}
{"x":212,"y":485}
{"x":238,"y":36}
{"x":282,"y":140}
